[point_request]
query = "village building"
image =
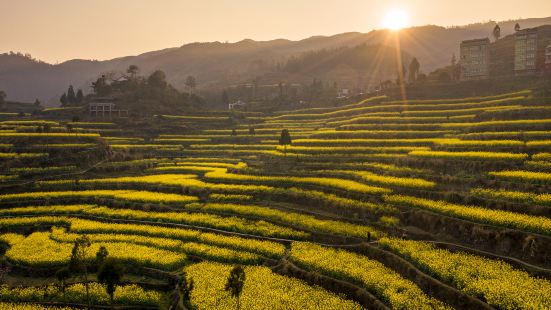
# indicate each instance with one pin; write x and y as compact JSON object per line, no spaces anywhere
{"x":474,"y":59}
{"x":236,"y":104}
{"x":105,"y":107}
{"x":548,"y":58}
{"x":526,"y":47}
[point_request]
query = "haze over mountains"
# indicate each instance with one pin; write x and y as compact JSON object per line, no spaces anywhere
{"x":218,"y":65}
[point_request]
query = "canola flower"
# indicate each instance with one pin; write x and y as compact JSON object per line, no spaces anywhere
{"x":388,"y":180}
{"x":177,"y":246}
{"x":232,"y":224}
{"x":262,"y":289}
{"x":537,"y":224}
{"x":296,"y":219}
{"x":538,"y":165}
{"x":521,"y":175}
{"x":29,"y":306}
{"x":505,"y":135}
{"x":541,"y":157}
{"x":336,"y":183}
{"x":383,"y":282}
{"x":230,"y":197}
{"x":178,"y":180}
{"x":349,"y":149}
{"x":131,"y":294}
{"x":267,"y":248}
{"x":470,"y":155}
{"x":39,"y":250}
{"x":126,"y":195}
{"x":42,"y":170}
{"x":523,"y":197}
{"x":494,"y":281}
{"x":22,"y":155}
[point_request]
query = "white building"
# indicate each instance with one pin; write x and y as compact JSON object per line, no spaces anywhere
{"x":105,"y":108}
{"x":548,"y":58}
{"x":474,"y":59}
{"x":526,"y":47}
{"x":236,"y":104}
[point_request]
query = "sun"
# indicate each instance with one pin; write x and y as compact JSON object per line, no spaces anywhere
{"x":396,"y":20}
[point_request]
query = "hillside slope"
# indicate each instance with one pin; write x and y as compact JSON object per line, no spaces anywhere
{"x":218,"y":64}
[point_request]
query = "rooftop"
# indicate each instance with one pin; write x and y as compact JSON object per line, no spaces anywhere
{"x":476,"y":41}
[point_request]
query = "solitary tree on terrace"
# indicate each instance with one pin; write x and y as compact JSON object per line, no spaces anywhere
{"x":101,"y":254}
{"x":497,"y":32}
{"x":62,"y":275}
{"x":78,"y":264}
{"x":285,"y":139}
{"x":110,"y":273}
{"x":517,"y":27}
{"x":414,"y":67}
{"x":235,"y":283}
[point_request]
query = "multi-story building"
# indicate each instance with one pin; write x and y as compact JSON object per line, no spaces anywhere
{"x":474,"y":59}
{"x":526,"y":51}
{"x":548,"y":58}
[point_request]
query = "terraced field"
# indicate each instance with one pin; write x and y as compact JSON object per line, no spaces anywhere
{"x":379,"y":204}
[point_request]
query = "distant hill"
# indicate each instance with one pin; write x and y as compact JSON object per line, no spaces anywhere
{"x":218,"y":65}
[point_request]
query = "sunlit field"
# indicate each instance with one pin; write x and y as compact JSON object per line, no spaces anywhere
{"x":430,"y":209}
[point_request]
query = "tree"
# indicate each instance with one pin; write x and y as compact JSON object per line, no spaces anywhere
{"x":133,"y":71}
{"x":185,"y":290}
{"x":285,"y":139}
{"x":235,"y":283}
{"x":517,"y":27}
{"x":191,"y":82}
{"x":62,"y":275}
{"x":110,"y":273}
{"x":63,"y":100}
{"x":80,"y":97}
{"x":77,"y":263}
{"x":414,"y":69}
{"x":101,"y":254}
{"x":234,"y":132}
{"x":157,"y":79}
{"x":100,"y":86}
{"x":497,"y":32}
{"x":71,"y":97}
{"x":2,"y":97}
{"x":251,"y":131}
{"x":225,"y":98}
{"x":37,"y":103}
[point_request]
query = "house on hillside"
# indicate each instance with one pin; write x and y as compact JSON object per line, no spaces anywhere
{"x":531,"y":48}
{"x":548,"y":59}
{"x":105,"y":107}
{"x":343,"y":93}
{"x":236,"y":104}
{"x":526,"y":46}
{"x":474,"y":59}
{"x":521,"y":53}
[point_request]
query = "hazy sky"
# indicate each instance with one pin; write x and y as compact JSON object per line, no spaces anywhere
{"x":58,"y":30}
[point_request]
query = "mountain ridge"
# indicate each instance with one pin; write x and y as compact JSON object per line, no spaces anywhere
{"x":217,"y":65}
